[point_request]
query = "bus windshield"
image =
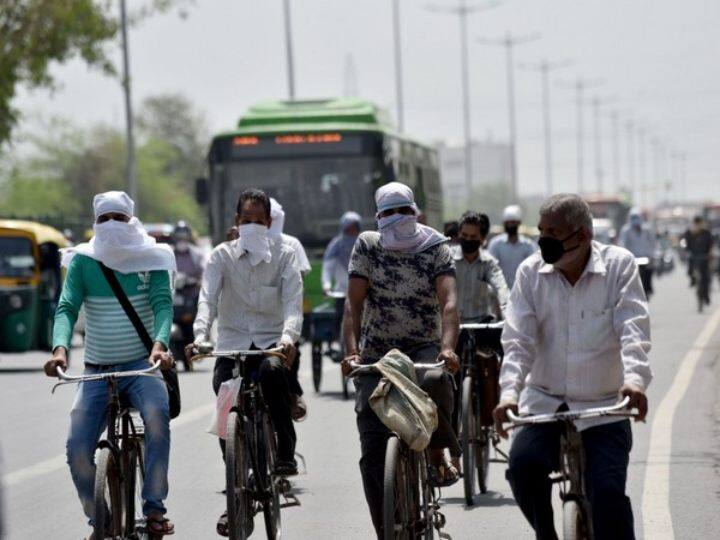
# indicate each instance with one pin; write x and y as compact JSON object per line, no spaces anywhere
{"x":314,"y":192}
{"x":16,"y":257}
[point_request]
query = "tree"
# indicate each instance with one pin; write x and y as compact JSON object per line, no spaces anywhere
{"x":174,"y":119}
{"x":36,"y":33}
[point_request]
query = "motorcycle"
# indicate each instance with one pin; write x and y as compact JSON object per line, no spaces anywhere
{"x":184,"y":311}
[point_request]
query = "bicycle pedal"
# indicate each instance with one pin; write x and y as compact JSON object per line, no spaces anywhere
{"x":289,"y":500}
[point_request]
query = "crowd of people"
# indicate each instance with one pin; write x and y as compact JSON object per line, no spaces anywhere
{"x":576,"y":333}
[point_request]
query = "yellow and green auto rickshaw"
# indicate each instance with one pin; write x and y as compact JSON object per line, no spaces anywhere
{"x":30,"y":282}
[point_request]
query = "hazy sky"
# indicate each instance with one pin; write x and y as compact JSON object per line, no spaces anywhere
{"x":658,"y":59}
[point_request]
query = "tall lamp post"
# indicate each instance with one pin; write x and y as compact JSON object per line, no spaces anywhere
{"x":289,"y":50}
{"x":130,"y":173}
{"x":398,"y":67}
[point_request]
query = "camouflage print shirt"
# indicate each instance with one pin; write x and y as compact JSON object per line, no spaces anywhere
{"x":401,"y":309}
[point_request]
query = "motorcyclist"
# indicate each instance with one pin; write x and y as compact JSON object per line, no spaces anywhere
{"x":638,"y":239}
{"x":190,"y":264}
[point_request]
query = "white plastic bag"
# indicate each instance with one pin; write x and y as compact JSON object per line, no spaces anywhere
{"x":225,"y":398}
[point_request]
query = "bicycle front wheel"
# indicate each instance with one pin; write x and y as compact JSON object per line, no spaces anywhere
{"x":575,"y":522}
{"x":317,"y":364}
{"x":397,"y":494}
{"x":236,"y":479}
{"x":135,"y":479}
{"x":108,"y":496}
{"x":271,"y":507}
{"x":469,"y":436}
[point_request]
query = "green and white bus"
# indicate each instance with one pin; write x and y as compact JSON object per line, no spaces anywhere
{"x":318,"y":158}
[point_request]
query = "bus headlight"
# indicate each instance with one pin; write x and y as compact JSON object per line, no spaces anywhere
{"x":16,"y":301}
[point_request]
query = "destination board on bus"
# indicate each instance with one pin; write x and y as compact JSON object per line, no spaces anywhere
{"x":295,"y":145}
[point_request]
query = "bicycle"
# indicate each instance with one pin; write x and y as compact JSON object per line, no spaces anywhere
{"x":120,"y":462}
{"x":324,"y":328}
{"x":250,"y":446}
{"x":479,"y":396}
{"x":577,"y":514}
{"x":411,"y":508}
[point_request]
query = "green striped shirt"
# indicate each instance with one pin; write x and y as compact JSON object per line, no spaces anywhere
{"x":110,"y":337}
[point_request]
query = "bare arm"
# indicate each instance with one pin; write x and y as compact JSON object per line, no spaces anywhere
{"x":447,"y":297}
{"x":357,"y":292}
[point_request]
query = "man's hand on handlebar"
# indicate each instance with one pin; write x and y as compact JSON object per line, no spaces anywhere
{"x":159,"y":354}
{"x":452,"y":362}
{"x":290,"y":352}
{"x":346,"y":365}
{"x":58,"y":360}
{"x":500,"y":416}
{"x":638,"y":400}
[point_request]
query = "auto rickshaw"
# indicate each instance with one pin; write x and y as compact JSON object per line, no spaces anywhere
{"x":30,"y":284}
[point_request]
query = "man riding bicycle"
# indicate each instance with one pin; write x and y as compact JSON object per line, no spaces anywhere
{"x":253,"y":287}
{"x":698,"y":242}
{"x":112,"y":344}
{"x":577,"y":335}
{"x":401,"y":294}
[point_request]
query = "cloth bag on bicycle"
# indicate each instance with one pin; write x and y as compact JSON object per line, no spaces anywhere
{"x":400,"y":404}
{"x":225,"y":398}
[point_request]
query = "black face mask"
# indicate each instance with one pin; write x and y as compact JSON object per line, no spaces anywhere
{"x":512,"y":230}
{"x":552,"y":249}
{"x":469,"y":246}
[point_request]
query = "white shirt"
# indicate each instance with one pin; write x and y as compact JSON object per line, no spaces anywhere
{"x":258,"y":305}
{"x":301,"y":258}
{"x":576,"y":344}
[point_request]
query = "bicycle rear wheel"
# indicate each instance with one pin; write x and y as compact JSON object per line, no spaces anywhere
{"x":317,"y":364}
{"x":271,"y":483}
{"x":482,"y":454}
{"x":575,"y":522}
{"x":108,"y":496}
{"x":236,"y":480}
{"x":398,"y":494}
{"x":469,"y":436}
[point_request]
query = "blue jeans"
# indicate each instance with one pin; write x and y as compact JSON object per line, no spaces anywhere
{"x":535,"y":452}
{"x":88,"y":420}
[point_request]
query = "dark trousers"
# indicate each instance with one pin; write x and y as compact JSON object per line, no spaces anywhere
{"x":374,"y":435}
{"x":535,"y":453}
{"x":273,"y":379}
{"x":293,"y":377}
{"x":646,"y":275}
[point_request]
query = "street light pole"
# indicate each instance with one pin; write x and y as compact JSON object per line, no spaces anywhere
{"x":289,"y":50}
{"x":130,"y":174}
{"x":462,"y":10}
{"x":615,"y":120}
{"x":545,"y":68}
{"x":632,"y":177}
{"x":398,"y":66}
{"x":509,"y":43}
{"x":642,"y":164}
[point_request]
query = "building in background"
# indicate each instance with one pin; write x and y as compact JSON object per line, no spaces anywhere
{"x":491,"y":177}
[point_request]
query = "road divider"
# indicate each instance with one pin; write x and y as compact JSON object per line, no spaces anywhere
{"x":58,"y":462}
{"x":657,"y":520}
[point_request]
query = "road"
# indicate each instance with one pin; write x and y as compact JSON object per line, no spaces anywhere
{"x":680,"y":499}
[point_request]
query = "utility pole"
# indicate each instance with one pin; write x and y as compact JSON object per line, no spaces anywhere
{"x":580,"y":86}
{"x":130,"y":174}
{"x":350,"y":83}
{"x":599,"y":172}
{"x":398,"y":67}
{"x":642,"y":163}
{"x":289,"y":50}
{"x":509,"y":43}
{"x":545,"y":68}
{"x":656,"y":162}
{"x":462,"y":10}
{"x":615,"y":122}
{"x":632,"y":177}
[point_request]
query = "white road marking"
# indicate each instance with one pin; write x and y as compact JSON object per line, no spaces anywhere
{"x":58,"y":462}
{"x":657,"y":520}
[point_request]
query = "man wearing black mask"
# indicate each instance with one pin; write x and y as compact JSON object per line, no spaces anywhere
{"x":577,"y":335}
{"x":511,"y":248}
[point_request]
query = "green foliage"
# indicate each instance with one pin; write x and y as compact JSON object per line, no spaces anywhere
{"x":36,"y":33}
{"x":66,"y":165}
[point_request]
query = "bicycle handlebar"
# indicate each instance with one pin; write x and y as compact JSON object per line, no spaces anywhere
{"x":619,"y":409}
{"x":364,"y":369}
{"x":277,"y":351}
{"x":76,"y":379}
{"x":483,"y":326}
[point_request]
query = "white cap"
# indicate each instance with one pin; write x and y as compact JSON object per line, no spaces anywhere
{"x":512,"y":213}
{"x":113,"y":201}
{"x":277,"y":214}
{"x":635,"y":211}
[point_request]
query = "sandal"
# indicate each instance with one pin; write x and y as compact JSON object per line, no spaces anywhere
{"x":299,"y":410}
{"x":222,"y":525}
{"x":159,"y":525}
{"x":444,"y":475}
